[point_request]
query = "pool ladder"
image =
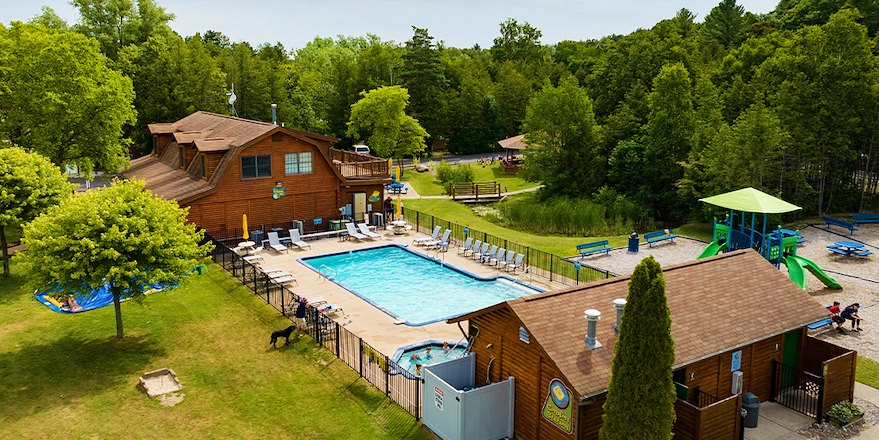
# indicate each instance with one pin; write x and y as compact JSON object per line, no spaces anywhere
{"x":327,"y":271}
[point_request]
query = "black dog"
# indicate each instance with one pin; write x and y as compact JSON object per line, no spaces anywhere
{"x":282,"y":334}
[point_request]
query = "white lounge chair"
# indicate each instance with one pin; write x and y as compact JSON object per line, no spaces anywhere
{"x":466,"y":247}
{"x":253,"y":259}
{"x":275,"y":242}
{"x":441,"y":242}
{"x":516,"y":264}
{"x":499,"y":258}
{"x":330,"y":309}
{"x":318,"y":301}
{"x":286,"y":279}
{"x":478,"y":253}
{"x":364,"y":229}
{"x":422,"y":240}
{"x":489,"y":255}
{"x":296,"y":240}
{"x":475,"y":248}
{"x":353,"y":232}
{"x":508,"y":261}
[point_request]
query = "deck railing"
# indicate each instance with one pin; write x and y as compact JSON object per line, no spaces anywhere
{"x":359,"y":166}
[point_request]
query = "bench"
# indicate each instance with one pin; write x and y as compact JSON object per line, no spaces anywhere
{"x":860,"y":219}
{"x":657,"y":236}
{"x":818,"y":324}
{"x":830,"y":221}
{"x":596,"y":247}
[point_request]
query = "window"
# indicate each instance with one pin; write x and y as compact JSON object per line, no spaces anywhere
{"x":297,"y":163}
{"x":203,"y":167}
{"x":180,"y":153}
{"x":253,"y":167}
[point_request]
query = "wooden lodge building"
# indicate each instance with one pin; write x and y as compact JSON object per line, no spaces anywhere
{"x":222,"y":167}
{"x":733,"y":316}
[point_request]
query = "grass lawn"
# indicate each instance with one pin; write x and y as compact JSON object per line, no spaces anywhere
{"x":425,"y":184}
{"x":64,"y":376}
{"x":867,"y":372}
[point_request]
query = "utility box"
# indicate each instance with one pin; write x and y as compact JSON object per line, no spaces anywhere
{"x":750,"y":409}
{"x":378,"y":219}
{"x":298,"y":224}
{"x":737,"y":382}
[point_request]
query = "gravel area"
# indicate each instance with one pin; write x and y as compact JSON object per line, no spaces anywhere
{"x":621,"y":262}
{"x":826,"y":431}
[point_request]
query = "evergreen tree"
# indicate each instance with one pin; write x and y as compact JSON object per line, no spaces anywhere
{"x":423,"y":76}
{"x":641,"y":395}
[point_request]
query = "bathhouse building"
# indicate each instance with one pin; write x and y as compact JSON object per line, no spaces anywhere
{"x":222,"y":167}
{"x":739,"y":325}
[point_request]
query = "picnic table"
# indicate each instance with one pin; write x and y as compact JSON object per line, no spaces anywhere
{"x":849,"y":248}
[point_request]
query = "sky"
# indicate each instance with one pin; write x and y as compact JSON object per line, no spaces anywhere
{"x":459,"y":23}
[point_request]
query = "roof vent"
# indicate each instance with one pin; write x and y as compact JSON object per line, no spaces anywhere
{"x":592,"y":317}
{"x":618,"y":305}
{"x":275,"y":114}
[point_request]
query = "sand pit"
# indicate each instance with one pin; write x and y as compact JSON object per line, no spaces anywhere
{"x":158,"y":382}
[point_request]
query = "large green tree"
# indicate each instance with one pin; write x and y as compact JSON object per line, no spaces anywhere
{"x":119,"y":23}
{"x":641,"y":394}
{"x":121,"y":236}
{"x":381,"y":117}
{"x":59,"y":98}
{"x":29,"y":185}
{"x":562,"y":137}
{"x":425,"y":80}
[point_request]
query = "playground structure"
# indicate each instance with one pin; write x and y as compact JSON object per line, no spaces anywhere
{"x":778,"y":246}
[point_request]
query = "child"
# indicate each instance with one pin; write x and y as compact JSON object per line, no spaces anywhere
{"x":446,"y":347}
{"x":418,"y":369}
{"x":414,"y":357}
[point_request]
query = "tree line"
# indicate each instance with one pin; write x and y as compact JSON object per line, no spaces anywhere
{"x":785,"y":102}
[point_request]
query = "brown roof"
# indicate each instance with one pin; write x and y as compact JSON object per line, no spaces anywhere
{"x":213,"y":144}
{"x":513,"y":143}
{"x":163,"y":180}
{"x":187,"y":137}
{"x":161,"y":128}
{"x":717,"y":304}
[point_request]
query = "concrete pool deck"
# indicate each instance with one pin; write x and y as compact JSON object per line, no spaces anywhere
{"x":363,"y":319}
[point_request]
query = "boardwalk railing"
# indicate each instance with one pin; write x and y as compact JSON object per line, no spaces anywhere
{"x":542,"y":264}
{"x":401,"y":386}
{"x":475,"y":190}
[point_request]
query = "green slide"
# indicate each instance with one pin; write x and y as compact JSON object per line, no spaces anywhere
{"x":712,"y":249}
{"x":795,"y":266}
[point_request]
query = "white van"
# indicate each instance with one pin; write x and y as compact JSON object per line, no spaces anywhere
{"x":361,"y":149}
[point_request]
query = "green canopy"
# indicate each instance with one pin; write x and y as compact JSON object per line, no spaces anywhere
{"x":751,"y":200}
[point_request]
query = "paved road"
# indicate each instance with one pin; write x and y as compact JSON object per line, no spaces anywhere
{"x":453,"y":159}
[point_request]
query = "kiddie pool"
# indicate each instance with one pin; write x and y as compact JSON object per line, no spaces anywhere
{"x":403,"y":354}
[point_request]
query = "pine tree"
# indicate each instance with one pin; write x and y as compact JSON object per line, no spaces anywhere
{"x":641,"y":395}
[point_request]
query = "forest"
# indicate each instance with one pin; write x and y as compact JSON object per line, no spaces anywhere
{"x":786,"y":102}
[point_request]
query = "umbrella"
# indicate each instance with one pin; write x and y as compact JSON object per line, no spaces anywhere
{"x":244,"y":225}
{"x":751,"y":200}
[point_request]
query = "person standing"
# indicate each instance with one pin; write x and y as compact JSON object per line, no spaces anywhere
{"x":851,"y":313}
{"x":301,"y":309}
{"x":389,"y":209}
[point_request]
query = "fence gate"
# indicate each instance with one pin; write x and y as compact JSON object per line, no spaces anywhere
{"x":798,"y":390}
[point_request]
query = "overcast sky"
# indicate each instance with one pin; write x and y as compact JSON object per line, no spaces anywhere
{"x":459,"y":23}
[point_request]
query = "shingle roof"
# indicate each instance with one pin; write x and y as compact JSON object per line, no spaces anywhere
{"x":165,"y":181}
{"x":213,"y":144}
{"x":513,"y":143}
{"x":161,"y":128}
{"x":717,"y":304}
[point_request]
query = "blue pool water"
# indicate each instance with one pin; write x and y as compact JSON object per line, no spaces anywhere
{"x":436,"y":355}
{"x":413,"y":288}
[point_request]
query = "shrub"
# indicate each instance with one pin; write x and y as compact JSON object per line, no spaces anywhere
{"x":614,"y":215}
{"x":447,"y":173}
{"x":844,"y":411}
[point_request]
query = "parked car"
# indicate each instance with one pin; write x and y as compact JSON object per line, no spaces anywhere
{"x":361,"y":149}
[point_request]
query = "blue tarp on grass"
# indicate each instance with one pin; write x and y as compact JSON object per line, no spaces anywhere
{"x":98,"y":298}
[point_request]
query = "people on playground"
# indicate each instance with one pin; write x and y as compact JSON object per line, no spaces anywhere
{"x":834,"y":316}
{"x":851,"y":313}
{"x":72,"y":305}
{"x":301,"y":324}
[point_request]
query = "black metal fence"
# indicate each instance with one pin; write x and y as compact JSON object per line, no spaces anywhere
{"x":401,"y":386}
{"x":703,"y":399}
{"x":798,"y":390}
{"x":540,"y":263}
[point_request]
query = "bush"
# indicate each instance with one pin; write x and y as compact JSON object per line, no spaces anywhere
{"x":612,"y":214}
{"x":447,"y":173}
{"x":844,"y":411}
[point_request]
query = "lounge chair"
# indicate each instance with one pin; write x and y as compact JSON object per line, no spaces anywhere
{"x":275,"y":242}
{"x":364,"y":229}
{"x":475,"y":248}
{"x":421,"y":240}
{"x":499,"y":258}
{"x":478,"y":253}
{"x":466,"y":247}
{"x":318,"y":301}
{"x":353,"y":232}
{"x":296,"y":240}
{"x":486,"y":256}
{"x":508,"y":261}
{"x":286,"y":279}
{"x":330,"y":309}
{"x":516,"y":264}
{"x":253,"y":259}
{"x":443,"y":242}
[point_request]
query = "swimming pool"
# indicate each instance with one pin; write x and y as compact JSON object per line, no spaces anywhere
{"x":427,"y":353}
{"x":413,"y":288}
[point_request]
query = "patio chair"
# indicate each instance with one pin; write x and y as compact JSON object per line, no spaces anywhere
{"x":364,"y":229}
{"x":330,"y":309}
{"x":466,"y":247}
{"x":486,"y":256}
{"x":296,"y":240}
{"x":441,"y":242}
{"x":480,"y":252}
{"x":275,"y":242}
{"x":253,"y":259}
{"x":499,"y":258}
{"x":353,"y":232}
{"x":516,"y":264}
{"x":318,"y":301}
{"x":474,"y":248}
{"x":421,"y":240}
{"x":508,"y":261}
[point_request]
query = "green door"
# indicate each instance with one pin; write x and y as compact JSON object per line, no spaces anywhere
{"x":791,"y":351}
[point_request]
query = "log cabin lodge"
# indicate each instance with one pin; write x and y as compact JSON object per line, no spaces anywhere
{"x":739,"y":325}
{"x":222,"y":167}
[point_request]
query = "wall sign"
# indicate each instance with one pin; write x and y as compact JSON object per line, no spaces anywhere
{"x":278,"y":191}
{"x":736,"y":361}
{"x":438,"y":398}
{"x":374,"y":197}
{"x":558,"y":409}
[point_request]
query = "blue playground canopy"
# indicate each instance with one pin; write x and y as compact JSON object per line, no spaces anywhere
{"x":96,"y":299}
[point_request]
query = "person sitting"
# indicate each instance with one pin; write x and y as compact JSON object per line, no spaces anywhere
{"x":418,"y":369}
{"x":446,"y":347}
{"x":851,"y":313}
{"x":427,"y":355}
{"x":72,"y":305}
{"x":414,"y":357}
{"x":834,"y":316}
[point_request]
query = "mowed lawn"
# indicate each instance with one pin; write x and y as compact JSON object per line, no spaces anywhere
{"x":64,"y":376}
{"x":425,"y":184}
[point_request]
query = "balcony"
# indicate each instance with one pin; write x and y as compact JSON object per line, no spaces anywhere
{"x":355,"y":166}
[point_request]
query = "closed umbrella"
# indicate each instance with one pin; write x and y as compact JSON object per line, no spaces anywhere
{"x":244,"y":225}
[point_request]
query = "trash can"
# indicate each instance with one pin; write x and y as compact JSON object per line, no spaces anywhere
{"x":750,"y":409}
{"x":257,"y":237}
{"x":633,"y":242}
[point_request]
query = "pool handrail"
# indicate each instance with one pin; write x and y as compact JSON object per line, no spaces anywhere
{"x":327,"y":271}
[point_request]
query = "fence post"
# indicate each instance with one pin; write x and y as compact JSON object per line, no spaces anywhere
{"x":551,"y":262}
{"x":417,"y":398}
{"x":337,"y":339}
{"x":387,"y":365}
{"x":772,"y":381}
{"x":820,"y":410}
{"x":360,"y":357}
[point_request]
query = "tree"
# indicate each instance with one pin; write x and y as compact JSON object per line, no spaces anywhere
{"x":641,"y":394}
{"x":381,"y":115}
{"x":563,"y":148}
{"x":425,"y":80}
{"x":518,"y":42}
{"x":59,"y":98}
{"x":119,"y":23}
{"x":30,"y":184}
{"x":725,"y":24}
{"x":121,"y":236}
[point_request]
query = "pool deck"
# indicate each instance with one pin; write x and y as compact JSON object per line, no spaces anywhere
{"x":363,"y":319}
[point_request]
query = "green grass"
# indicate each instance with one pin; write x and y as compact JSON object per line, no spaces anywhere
{"x":699,"y":231}
{"x":425,"y":184}
{"x":867,"y":372}
{"x":64,"y":376}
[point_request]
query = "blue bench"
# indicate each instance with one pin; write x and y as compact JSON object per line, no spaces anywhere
{"x":596,"y":247}
{"x":818,"y":324}
{"x":657,"y":236}
{"x":830,"y":221}
{"x":861,"y":219}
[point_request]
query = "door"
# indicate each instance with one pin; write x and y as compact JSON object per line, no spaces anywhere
{"x":791,"y":352}
{"x":359,"y":207}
